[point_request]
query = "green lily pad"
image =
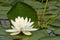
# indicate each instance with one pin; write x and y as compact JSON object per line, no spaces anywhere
{"x":57,"y":31}
{"x":6,"y":38}
{"x":3,"y":32}
{"x":35,"y":35}
{"x":55,"y":23}
{"x":23,"y":10}
{"x":4,"y":35}
{"x":51,"y":38}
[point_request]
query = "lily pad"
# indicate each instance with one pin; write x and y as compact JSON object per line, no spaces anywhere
{"x":6,"y":38}
{"x":51,"y":38}
{"x":23,"y":10}
{"x":57,"y":31}
{"x":4,"y":35}
{"x":35,"y":35}
{"x":55,"y":23}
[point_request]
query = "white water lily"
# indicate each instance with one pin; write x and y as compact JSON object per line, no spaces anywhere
{"x":21,"y":25}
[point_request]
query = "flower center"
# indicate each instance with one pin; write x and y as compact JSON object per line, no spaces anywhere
{"x":20,"y":21}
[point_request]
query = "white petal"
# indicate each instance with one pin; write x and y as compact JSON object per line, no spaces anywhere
{"x":18,"y":17}
{"x":15,"y":33}
{"x":33,"y":29}
{"x":26,"y":19}
{"x":12,"y":22}
{"x":27,"y":32}
{"x":29,"y":24}
{"x":10,"y":30}
{"x":29,"y":19}
{"x":12,"y":27}
{"x":15,"y":25}
{"x":22,"y":18}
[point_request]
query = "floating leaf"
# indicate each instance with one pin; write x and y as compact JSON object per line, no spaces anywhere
{"x":4,"y":35}
{"x":35,"y":36}
{"x":51,"y":38}
{"x":57,"y":31}
{"x":6,"y":38}
{"x":55,"y":23}
{"x":23,"y":10}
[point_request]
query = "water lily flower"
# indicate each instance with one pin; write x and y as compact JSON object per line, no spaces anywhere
{"x":21,"y":25}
